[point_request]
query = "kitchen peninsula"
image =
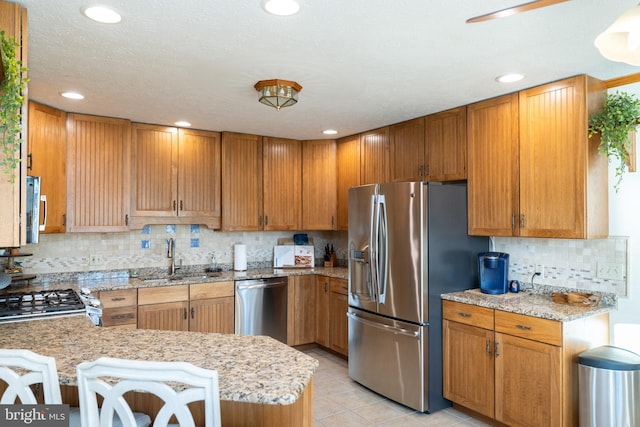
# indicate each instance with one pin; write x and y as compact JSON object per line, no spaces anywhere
{"x":262,"y":381}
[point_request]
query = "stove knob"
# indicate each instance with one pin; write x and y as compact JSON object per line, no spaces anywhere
{"x":94,"y":302}
{"x":85,"y":291}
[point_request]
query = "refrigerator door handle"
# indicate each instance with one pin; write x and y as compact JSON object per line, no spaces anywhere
{"x":373,"y":249}
{"x":387,"y":328}
{"x":383,"y":247}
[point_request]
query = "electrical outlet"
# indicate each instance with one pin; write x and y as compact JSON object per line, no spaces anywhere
{"x":540,"y":269}
{"x":610,"y":270}
{"x":95,"y":259}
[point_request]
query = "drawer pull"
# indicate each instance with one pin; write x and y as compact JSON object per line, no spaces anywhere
{"x":523,"y":327}
{"x":463,"y":314}
{"x":118,"y":299}
{"x":496,"y":351}
{"x":122,"y":316}
{"x":489,"y":347}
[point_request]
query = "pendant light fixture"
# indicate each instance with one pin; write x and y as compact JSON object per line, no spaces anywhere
{"x":278,"y":93}
{"x":621,"y":41}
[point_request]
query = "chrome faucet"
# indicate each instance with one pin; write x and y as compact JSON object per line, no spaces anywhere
{"x":171,"y":254}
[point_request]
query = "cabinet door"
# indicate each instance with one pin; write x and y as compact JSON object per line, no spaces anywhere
{"x":302,"y":310}
{"x":407,"y":146}
{"x":468,"y":366}
{"x":98,"y":173}
{"x":446,"y":140}
{"x":282,"y":184}
{"x":319,"y":169}
{"x":338,"y":324}
{"x":168,"y":316}
{"x":560,"y":170}
{"x":374,"y":156}
{"x":348,"y":175}
{"x":322,"y":310}
{"x":241,"y":182}
{"x":528,"y":382}
{"x":155,"y":168}
{"x":212,"y":315}
{"x":199,"y":176}
{"x":13,"y":20}
{"x":492,"y":185}
{"x":47,"y":159}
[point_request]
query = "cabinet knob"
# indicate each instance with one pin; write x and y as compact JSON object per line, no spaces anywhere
{"x":185,"y":313}
{"x":193,"y":313}
{"x":181,"y":205}
{"x":488,"y":347}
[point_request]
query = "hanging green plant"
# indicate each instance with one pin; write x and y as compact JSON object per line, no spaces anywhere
{"x":12,"y":90}
{"x":615,"y":123}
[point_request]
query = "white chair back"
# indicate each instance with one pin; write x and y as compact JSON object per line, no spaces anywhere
{"x":112,"y":378}
{"x":39,"y":370}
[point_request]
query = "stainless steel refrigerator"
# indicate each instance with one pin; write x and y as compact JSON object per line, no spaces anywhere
{"x":408,"y":244}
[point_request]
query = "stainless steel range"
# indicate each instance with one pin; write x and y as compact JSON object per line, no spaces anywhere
{"x":22,"y":306}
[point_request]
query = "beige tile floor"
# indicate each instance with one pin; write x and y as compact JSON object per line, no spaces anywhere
{"x":341,"y":402}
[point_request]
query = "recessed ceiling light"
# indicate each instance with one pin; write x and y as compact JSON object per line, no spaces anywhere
{"x":330,"y":132}
{"x":182,"y":124}
{"x":510,"y":78}
{"x":72,"y":95}
{"x":281,"y":7}
{"x":102,"y":14}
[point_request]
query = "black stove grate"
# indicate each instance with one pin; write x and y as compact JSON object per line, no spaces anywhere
{"x":37,"y":303}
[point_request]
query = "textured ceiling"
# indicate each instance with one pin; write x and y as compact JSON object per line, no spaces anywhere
{"x":362,"y":63}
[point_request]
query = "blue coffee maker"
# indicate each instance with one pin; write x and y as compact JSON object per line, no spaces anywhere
{"x":492,"y":271}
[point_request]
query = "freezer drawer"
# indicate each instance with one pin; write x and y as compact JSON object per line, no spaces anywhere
{"x":389,"y":357}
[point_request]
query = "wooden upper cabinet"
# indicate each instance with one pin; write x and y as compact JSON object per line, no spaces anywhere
{"x":407,"y":150}
{"x":493,"y":190}
{"x":348,"y":149}
{"x":446,"y":141}
{"x":13,"y":21}
{"x":533,"y":171}
{"x":282,"y":184}
{"x":374,"y":156}
{"x":47,"y":130}
{"x":98,"y":173}
{"x":319,"y":198}
{"x":176,"y":176}
{"x":155,"y":173}
{"x":563,"y":178}
{"x":241,"y":182}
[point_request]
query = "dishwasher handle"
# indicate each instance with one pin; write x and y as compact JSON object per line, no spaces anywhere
{"x":259,"y":284}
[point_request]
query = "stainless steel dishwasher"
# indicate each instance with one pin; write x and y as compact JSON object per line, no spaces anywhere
{"x":261,"y":307}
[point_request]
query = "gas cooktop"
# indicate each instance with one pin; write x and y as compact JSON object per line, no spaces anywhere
{"x":16,"y":306}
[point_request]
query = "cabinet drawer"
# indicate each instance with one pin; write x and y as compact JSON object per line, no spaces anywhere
{"x":533,"y":328}
{"x":211,"y":290}
{"x":163,"y":294}
{"x":120,"y":298}
{"x":119,"y":316}
{"x":468,"y":314}
{"x":340,"y":286}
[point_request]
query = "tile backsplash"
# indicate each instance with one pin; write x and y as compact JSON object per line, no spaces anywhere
{"x":568,"y":263}
{"x":147,"y":248}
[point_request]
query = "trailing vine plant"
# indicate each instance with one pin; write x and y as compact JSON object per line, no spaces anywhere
{"x":619,"y":117}
{"x":12,"y":90}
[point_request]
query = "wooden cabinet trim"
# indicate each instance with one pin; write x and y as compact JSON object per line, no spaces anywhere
{"x":211,"y":290}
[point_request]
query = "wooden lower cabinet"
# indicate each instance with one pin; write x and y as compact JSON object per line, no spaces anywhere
{"x":338,"y":324}
{"x":119,"y":308}
{"x":301,"y":310}
{"x":211,"y":307}
{"x":322,"y":310}
{"x":519,"y":370}
{"x":165,"y":308}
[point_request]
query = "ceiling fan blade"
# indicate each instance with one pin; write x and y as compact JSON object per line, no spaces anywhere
{"x":536,"y":4}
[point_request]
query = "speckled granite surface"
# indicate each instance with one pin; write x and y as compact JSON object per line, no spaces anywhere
{"x":121,"y":280}
{"x":531,"y":304}
{"x":255,"y":369}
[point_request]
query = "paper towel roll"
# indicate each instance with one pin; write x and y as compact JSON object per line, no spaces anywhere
{"x":240,"y":257}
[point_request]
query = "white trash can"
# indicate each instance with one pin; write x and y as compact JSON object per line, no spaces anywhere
{"x":609,"y":387}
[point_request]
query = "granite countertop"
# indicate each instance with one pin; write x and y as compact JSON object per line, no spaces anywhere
{"x":531,"y":304}
{"x":255,"y":369}
{"x":104,"y":282}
